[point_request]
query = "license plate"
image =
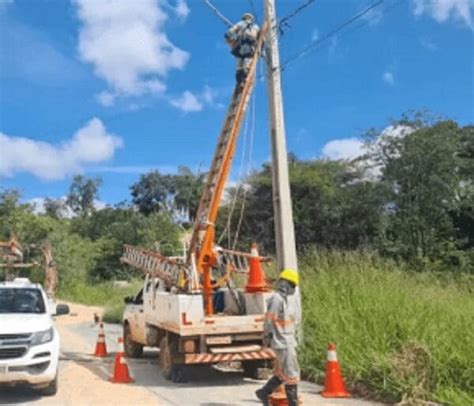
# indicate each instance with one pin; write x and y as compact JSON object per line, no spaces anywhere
{"x":219,"y":340}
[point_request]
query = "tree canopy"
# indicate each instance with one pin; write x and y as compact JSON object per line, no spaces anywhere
{"x":410,"y":197}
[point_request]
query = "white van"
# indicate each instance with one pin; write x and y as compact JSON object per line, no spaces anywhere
{"x":29,"y":342}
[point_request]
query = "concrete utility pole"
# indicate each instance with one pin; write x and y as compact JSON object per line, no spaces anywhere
{"x":283,"y":212}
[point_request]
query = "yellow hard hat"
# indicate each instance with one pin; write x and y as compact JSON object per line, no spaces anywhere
{"x":290,"y":275}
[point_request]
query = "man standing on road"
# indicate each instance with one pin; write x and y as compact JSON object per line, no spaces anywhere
{"x":281,"y":322}
{"x":242,"y":37}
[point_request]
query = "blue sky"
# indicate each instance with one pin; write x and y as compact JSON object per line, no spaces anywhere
{"x":117,"y":88}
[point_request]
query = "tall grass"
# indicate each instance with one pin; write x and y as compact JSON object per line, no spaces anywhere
{"x":400,"y":336}
{"x":102,"y":294}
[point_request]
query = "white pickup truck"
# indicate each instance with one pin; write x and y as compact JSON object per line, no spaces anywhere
{"x":29,"y":342}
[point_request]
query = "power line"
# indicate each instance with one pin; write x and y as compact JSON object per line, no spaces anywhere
{"x":284,"y":21}
{"x":314,"y":44}
{"x":216,"y":11}
{"x":254,"y":10}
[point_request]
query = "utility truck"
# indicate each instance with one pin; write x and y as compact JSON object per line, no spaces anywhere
{"x":190,"y":307}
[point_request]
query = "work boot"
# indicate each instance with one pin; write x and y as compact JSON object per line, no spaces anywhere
{"x":240,"y":76}
{"x":267,"y":389}
{"x":292,"y":394}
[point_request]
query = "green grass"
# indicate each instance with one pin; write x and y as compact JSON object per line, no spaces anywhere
{"x":102,"y":294}
{"x":399,"y":335}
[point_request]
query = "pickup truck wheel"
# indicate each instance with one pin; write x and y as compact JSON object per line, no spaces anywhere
{"x":132,"y":348}
{"x":51,"y":389}
{"x":168,"y":352}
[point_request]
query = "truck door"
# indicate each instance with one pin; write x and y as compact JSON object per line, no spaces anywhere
{"x":138,"y":318}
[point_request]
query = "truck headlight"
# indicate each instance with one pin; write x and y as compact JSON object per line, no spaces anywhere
{"x":42,"y":337}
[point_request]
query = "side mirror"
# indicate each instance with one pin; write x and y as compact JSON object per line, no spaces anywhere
{"x":61,"y":309}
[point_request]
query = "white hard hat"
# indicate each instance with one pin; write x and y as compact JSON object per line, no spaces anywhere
{"x":248,"y":16}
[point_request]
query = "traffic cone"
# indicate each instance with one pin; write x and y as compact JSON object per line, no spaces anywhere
{"x":256,"y":280}
{"x":121,"y":373}
{"x":278,"y":397}
{"x":100,"y":347}
{"x":334,"y":386}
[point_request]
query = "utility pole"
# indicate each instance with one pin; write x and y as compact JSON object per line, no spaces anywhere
{"x":283,"y":212}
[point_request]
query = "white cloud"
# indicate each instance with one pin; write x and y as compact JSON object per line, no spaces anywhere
{"x":209,"y":95}
{"x":388,"y":78}
{"x":190,"y":102}
{"x":444,"y":10}
{"x":182,"y":9}
{"x":105,"y":98}
{"x":126,"y":43}
{"x":90,"y":144}
{"x":66,"y":211}
{"x":187,"y":102}
{"x":345,"y":148}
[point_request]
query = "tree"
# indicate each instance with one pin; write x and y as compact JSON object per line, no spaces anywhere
{"x":82,"y":194}
{"x":333,"y":207}
{"x":54,"y":208}
{"x":150,"y":193}
{"x":422,"y":171}
{"x":112,"y":227}
{"x":176,"y":194}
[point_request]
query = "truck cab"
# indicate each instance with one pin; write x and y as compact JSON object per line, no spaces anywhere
{"x":29,"y":341}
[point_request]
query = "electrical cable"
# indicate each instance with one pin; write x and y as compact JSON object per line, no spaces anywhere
{"x":284,"y":21}
{"x":254,"y":10}
{"x":249,"y":170}
{"x":227,"y":229}
{"x":330,"y":34}
{"x":216,"y":11}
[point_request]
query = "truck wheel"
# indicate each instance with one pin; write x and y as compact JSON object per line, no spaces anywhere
{"x":168,"y":352}
{"x":51,"y":389}
{"x":132,"y":348}
{"x":259,"y":369}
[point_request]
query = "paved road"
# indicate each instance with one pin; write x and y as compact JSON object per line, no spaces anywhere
{"x":84,"y":380}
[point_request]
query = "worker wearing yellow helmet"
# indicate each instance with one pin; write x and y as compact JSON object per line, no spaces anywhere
{"x":281,"y":323}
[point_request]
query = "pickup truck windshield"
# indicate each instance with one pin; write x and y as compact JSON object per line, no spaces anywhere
{"x":21,"y":300}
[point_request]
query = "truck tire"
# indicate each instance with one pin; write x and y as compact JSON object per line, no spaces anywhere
{"x":51,"y":389}
{"x":260,"y":369}
{"x":132,"y":348}
{"x":168,"y":352}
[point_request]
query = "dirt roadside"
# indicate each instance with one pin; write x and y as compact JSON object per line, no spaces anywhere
{"x":84,"y":380}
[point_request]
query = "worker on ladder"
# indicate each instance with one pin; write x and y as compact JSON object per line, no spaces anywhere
{"x":280,"y":327}
{"x":242,"y":38}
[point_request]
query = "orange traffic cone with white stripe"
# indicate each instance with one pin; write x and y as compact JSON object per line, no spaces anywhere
{"x":121,"y":373}
{"x":100,"y":347}
{"x":334,"y":386}
{"x":256,"y":280}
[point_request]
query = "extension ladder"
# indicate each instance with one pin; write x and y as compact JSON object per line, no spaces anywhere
{"x":214,"y":187}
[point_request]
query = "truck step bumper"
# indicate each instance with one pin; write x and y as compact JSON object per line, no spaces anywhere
{"x":228,"y":357}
